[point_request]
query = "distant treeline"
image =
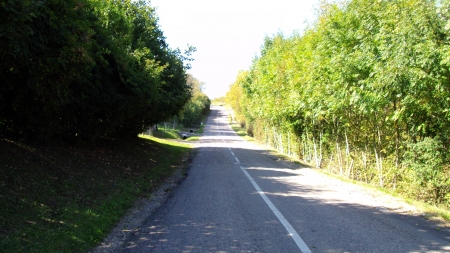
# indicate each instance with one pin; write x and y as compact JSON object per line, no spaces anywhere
{"x":364,"y":92}
{"x":197,"y":107}
{"x":83,"y":69}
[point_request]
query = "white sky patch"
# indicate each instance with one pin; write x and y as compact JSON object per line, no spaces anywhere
{"x":228,"y":33}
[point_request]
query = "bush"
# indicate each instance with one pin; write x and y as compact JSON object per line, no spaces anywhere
{"x":430,"y":176}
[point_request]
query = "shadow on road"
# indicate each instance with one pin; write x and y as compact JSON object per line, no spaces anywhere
{"x":328,"y":219}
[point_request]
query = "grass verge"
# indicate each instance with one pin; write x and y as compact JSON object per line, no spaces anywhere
{"x":67,"y":198}
{"x":168,"y":133}
{"x":439,"y":214}
{"x":431,"y":212}
{"x":241,"y":132}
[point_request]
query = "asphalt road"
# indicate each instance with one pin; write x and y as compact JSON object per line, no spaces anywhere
{"x":237,"y":198}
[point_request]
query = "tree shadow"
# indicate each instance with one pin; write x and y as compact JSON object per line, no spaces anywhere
{"x":225,"y":213}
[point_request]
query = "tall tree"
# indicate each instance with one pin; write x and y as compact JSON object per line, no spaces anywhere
{"x":365,"y":84}
{"x":86,"y":69}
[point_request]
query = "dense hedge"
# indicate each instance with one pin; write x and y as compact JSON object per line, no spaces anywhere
{"x":364,"y":92}
{"x":82,"y":69}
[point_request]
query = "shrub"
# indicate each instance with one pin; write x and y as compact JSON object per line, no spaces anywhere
{"x":426,"y":159}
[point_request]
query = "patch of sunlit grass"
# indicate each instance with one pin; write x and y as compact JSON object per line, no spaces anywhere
{"x":166,"y":134}
{"x":193,"y":138}
{"x":241,"y":132}
{"x":439,"y":214}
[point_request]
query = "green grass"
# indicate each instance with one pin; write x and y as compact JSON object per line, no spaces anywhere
{"x":193,"y":138}
{"x":173,"y":134}
{"x":440,"y":214}
{"x":166,"y":133}
{"x":169,"y":133}
{"x":436,"y":213}
{"x":241,"y":132}
{"x":67,"y":198}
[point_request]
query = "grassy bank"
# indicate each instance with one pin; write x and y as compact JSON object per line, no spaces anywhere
{"x":67,"y":198}
{"x":173,"y":133}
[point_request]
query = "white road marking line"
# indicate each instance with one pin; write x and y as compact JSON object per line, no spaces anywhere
{"x":297,"y":239}
{"x":294,"y":235}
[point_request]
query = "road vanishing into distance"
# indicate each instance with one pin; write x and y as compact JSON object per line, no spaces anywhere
{"x":238,"y":198}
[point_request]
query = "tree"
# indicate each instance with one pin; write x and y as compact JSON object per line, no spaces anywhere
{"x":198,"y":105}
{"x":356,"y":89}
{"x":81,"y":70}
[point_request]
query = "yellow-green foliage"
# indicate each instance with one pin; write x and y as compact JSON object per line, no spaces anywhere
{"x":351,"y":92}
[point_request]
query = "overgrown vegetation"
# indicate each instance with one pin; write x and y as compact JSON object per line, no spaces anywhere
{"x":80,"y":70}
{"x":241,"y":131}
{"x":169,"y":131}
{"x":165,"y":133}
{"x":437,"y":213}
{"x":363,"y":93}
{"x":197,"y":107}
{"x":218,"y":101}
{"x":67,"y":198}
{"x":80,"y":79}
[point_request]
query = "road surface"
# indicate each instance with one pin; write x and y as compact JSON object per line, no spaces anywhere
{"x":238,"y":198}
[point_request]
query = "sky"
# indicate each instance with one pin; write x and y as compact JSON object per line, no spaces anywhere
{"x":228,"y":34}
